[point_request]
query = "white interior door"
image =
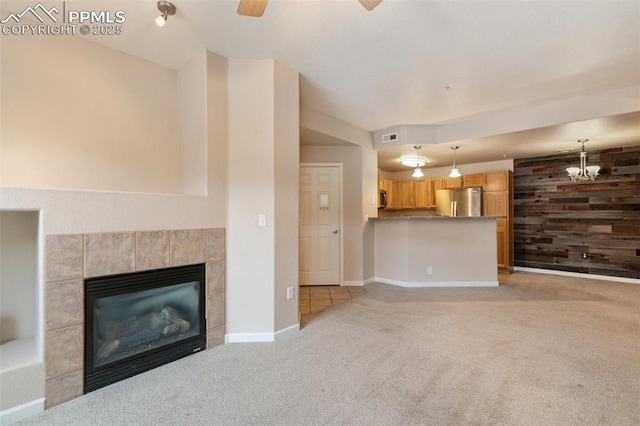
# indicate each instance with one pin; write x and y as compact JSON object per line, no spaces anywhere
{"x":319,"y":244}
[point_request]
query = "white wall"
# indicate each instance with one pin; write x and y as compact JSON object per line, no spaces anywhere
{"x":114,"y":115}
{"x":78,"y":115}
{"x":287,"y":153}
{"x":260,"y":132}
{"x":192,"y":126}
{"x":369,"y":208}
{"x":216,"y":148}
{"x":19,"y":300}
{"x":250,"y":248}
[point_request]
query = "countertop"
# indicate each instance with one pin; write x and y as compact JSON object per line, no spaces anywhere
{"x":436,"y":218}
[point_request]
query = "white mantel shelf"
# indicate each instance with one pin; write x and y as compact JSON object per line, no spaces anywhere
{"x":461,"y":251}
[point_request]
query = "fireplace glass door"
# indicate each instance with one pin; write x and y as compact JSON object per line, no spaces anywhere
{"x":139,"y":321}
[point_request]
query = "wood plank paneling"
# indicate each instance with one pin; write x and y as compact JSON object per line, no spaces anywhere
{"x":556,"y":220}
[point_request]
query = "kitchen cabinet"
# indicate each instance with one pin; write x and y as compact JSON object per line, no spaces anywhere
{"x":495,"y":203}
{"x":434,"y":185}
{"x":497,"y":200}
{"x":503,"y":243}
{"x":406,"y":194}
{"x":388,"y":186}
{"x":421,"y":194}
{"x":497,"y":180}
{"x":393,"y":193}
{"x":473,"y":181}
{"x":451,"y":183}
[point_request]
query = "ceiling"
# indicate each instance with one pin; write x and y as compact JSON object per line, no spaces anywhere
{"x":419,"y":62}
{"x":605,"y":132}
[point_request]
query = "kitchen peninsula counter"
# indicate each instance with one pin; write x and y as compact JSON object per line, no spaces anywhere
{"x":436,"y":251}
{"x":436,"y":218}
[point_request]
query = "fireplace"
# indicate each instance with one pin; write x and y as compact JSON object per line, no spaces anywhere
{"x":138,"y":321}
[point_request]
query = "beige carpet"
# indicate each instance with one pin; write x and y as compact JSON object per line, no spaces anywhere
{"x":539,"y":350}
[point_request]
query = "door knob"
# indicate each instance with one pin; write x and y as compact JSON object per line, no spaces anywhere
{"x":335,"y":231}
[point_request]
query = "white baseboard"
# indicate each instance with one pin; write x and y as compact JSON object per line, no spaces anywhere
{"x":577,"y":275}
{"x":260,"y":337}
{"x":21,"y":412}
{"x":369,"y":280}
{"x":352,"y":283}
{"x":248,"y":337}
{"x":356,"y":283}
{"x":292,"y":329}
{"x":423,"y":284}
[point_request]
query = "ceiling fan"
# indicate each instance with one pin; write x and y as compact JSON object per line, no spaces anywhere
{"x":256,"y":7}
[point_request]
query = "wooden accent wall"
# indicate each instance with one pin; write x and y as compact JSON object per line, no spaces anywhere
{"x":556,"y":220}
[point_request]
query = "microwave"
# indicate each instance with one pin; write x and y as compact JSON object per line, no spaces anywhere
{"x":382,"y":200}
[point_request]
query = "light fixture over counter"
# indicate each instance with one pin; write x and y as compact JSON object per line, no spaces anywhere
{"x":415,"y":161}
{"x":583,"y":172}
{"x":166,"y":8}
{"x":454,"y":171}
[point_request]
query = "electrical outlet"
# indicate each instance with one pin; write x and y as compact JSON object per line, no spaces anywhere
{"x":584,"y":255}
{"x":429,"y":270}
{"x":289,"y":293}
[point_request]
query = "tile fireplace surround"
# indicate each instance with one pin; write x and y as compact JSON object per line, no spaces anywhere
{"x":70,"y":258}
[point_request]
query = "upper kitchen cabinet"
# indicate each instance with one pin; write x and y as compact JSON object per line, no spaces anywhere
{"x":421,"y":194}
{"x":434,"y":185}
{"x":497,"y":180}
{"x":406,"y":194}
{"x":473,"y":181}
{"x":393,"y":195}
{"x":451,"y":183}
{"x":391,"y":188}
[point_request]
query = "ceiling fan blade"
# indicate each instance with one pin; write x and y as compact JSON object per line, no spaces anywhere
{"x":252,"y":7}
{"x":370,"y":4}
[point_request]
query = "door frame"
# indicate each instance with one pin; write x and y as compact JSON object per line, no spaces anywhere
{"x":341,"y":215}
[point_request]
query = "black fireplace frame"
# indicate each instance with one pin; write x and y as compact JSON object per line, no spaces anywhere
{"x":105,"y":286}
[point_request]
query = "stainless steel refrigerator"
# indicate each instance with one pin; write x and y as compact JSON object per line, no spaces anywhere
{"x":459,"y":202}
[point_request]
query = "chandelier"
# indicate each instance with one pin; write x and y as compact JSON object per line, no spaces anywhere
{"x":583,"y":172}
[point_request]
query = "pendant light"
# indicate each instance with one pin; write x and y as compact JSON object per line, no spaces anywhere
{"x":454,"y":171}
{"x":583,"y":172}
{"x":420,"y":161}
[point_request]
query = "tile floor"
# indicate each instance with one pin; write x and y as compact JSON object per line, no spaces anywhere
{"x":315,"y":299}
